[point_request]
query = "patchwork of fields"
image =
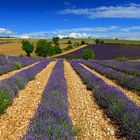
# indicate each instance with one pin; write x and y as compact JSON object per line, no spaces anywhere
{"x":56,"y":99}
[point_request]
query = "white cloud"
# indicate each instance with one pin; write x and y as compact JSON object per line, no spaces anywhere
{"x":4,"y":31}
{"x":34,"y":35}
{"x":25,"y":36}
{"x":88,"y":29}
{"x":75,"y":35}
{"x":127,"y":11}
{"x":132,"y":28}
{"x":132,"y":32}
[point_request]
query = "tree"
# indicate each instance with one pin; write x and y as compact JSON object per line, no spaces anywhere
{"x":97,"y":41}
{"x":69,"y":42}
{"x":87,"y":54}
{"x":27,"y":47}
{"x":57,"y":50}
{"x":83,"y":42}
{"x":44,"y":48}
{"x":68,"y":48}
{"x":55,"y":40}
{"x":102,"y":42}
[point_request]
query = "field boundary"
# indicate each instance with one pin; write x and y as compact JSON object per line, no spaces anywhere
{"x":70,"y":51}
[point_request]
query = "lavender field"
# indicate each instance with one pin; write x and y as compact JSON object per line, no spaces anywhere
{"x":40,"y":102}
{"x":108,"y":52}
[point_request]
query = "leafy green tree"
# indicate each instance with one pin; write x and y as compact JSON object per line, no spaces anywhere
{"x":69,"y":42}
{"x":98,"y":41}
{"x":57,"y":50}
{"x":55,"y":40}
{"x":44,"y":48}
{"x":27,"y":47}
{"x":68,"y":48}
{"x":87,"y":54}
{"x":83,"y":42}
{"x":57,"y":44}
{"x":102,"y":42}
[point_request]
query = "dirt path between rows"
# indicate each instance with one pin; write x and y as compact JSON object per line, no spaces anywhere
{"x":131,"y":95}
{"x":84,"y":111}
{"x":14,"y":123}
{"x":4,"y":76}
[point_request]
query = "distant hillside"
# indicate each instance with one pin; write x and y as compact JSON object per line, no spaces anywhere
{"x":108,"y":52}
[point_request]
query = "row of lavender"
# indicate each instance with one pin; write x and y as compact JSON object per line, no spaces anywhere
{"x":51,"y":120}
{"x":22,"y":60}
{"x":117,"y":106}
{"x":10,"y":86}
{"x":130,"y":82}
{"x":132,"y":68}
{"x":12,"y":63}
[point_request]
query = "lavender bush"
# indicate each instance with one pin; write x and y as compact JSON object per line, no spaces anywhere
{"x":130,"y":82}
{"x":11,"y":63}
{"x":117,"y":106}
{"x":10,"y":86}
{"x":51,"y":120}
{"x":22,"y":60}
{"x":132,"y":68}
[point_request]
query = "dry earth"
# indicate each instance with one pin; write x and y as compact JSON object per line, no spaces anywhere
{"x":14,"y":123}
{"x":4,"y":76}
{"x":130,"y":94}
{"x":84,"y":111}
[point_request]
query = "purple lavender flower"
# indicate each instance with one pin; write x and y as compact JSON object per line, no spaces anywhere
{"x":51,"y":120}
{"x":130,"y":82}
{"x":13,"y":84}
{"x":117,"y":106}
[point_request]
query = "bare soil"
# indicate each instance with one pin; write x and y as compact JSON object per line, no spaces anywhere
{"x":130,"y":94}
{"x":14,"y":122}
{"x":85,"y":113}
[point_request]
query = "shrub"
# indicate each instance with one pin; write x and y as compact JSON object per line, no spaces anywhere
{"x":97,"y":41}
{"x":18,"y":65}
{"x":83,"y":42}
{"x":121,"y":58}
{"x":4,"y":102}
{"x":44,"y":48}
{"x":68,"y":48}
{"x":69,"y":42}
{"x":57,"y":45}
{"x":57,"y":50}
{"x":76,"y":44}
{"x":55,"y":40}
{"x":27,"y":47}
{"x":87,"y":54}
{"x":102,"y":42}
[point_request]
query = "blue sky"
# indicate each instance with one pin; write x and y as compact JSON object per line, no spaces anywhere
{"x":74,"y":18}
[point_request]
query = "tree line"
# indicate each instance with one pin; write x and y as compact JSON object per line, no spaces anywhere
{"x":43,"y":48}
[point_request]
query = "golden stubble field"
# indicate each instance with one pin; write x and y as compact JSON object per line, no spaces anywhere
{"x":15,"y":49}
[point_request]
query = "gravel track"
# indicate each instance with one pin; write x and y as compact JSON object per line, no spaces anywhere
{"x":14,"y":123}
{"x":4,"y":76}
{"x":130,"y":94}
{"x":84,"y":111}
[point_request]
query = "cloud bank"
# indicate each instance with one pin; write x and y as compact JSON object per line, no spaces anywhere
{"x":127,"y":11}
{"x":4,"y":31}
{"x":132,"y":32}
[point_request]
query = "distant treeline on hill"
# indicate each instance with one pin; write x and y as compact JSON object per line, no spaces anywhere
{"x":7,"y":37}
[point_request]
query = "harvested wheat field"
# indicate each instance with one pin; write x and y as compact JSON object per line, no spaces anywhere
{"x":59,"y":99}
